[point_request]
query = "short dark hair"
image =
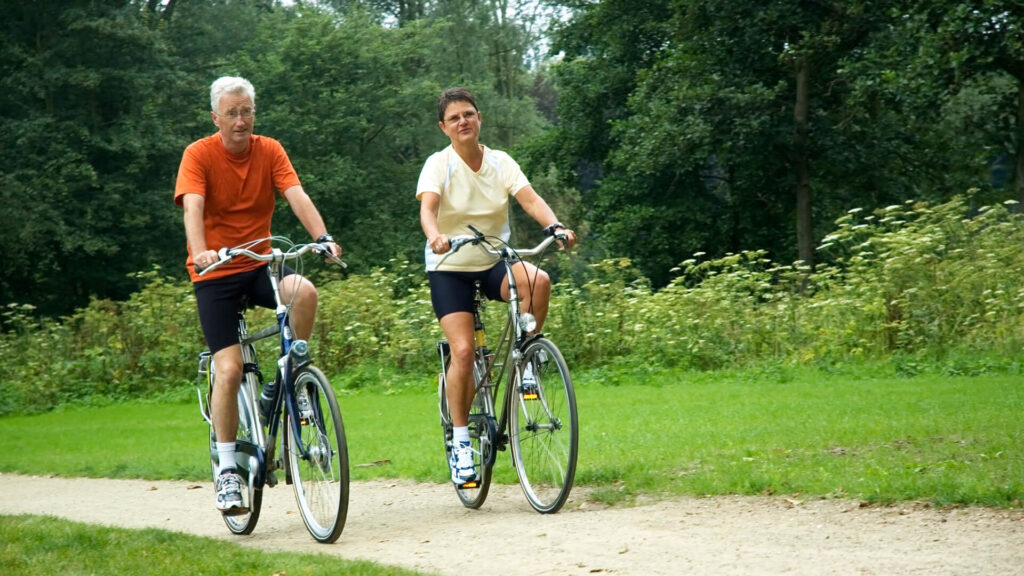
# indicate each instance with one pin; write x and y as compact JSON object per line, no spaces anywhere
{"x":454,"y":95}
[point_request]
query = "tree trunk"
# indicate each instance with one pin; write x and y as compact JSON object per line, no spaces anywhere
{"x":1018,"y":178}
{"x":804,"y":238}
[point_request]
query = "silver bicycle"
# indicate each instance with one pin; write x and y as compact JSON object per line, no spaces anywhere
{"x":304,"y":410}
{"x":538,"y":418}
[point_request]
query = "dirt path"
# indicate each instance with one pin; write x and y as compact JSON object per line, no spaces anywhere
{"x":414,"y":525}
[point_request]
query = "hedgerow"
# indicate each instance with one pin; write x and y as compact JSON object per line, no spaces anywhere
{"x":923,"y":287}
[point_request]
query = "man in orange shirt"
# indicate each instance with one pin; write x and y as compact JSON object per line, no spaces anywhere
{"x":226,"y":185}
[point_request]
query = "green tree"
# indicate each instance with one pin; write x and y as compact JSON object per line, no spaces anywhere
{"x":354,"y":103}
{"x":716,"y":126}
{"x":982,"y":44}
{"x":86,"y":145}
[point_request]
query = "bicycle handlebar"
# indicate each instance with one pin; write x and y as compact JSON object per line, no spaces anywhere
{"x":225,"y":255}
{"x":479,"y":238}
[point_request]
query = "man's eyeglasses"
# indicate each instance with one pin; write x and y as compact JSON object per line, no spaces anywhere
{"x":235,"y":114}
{"x":469,"y":115}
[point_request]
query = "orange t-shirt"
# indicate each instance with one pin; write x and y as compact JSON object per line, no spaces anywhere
{"x":239,"y":193}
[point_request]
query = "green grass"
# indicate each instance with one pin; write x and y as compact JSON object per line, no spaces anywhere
{"x":944,"y":440}
{"x":44,"y":546}
{"x":879,"y":438}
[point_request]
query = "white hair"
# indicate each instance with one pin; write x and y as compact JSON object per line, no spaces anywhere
{"x":230,"y":85}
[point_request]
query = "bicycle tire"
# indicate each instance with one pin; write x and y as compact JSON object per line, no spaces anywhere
{"x":482,"y":432}
{"x":248,"y":460}
{"x":320,"y":482}
{"x":545,"y":431}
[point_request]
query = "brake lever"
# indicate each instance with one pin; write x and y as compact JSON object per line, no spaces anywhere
{"x":322,"y":250}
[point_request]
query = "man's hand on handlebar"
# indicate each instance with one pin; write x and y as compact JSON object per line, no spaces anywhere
{"x":208,"y":260}
{"x":205,"y":259}
{"x":331,"y":252}
{"x":328,"y":250}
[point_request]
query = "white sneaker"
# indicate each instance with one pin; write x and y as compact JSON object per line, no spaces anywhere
{"x":229,"y":492}
{"x":461,"y":463}
{"x":305,"y":407}
{"x":528,"y":385}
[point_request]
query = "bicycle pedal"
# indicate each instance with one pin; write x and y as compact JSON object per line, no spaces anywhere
{"x":236,"y":511}
{"x":467,"y":485}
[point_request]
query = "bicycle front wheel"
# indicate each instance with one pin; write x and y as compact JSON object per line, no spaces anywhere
{"x":544,"y":428}
{"x":318,"y":458}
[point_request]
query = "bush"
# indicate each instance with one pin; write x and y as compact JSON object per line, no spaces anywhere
{"x":925,"y":288}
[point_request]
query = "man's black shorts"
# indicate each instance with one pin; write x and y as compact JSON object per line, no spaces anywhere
{"x":218,"y":301}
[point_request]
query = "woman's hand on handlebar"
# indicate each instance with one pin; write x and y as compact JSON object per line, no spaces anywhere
{"x":566,"y":238}
{"x":440,"y":244}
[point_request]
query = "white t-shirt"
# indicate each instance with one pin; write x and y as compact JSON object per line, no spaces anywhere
{"x":468,"y":198}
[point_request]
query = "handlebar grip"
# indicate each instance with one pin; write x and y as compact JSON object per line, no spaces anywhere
{"x":459,"y":241}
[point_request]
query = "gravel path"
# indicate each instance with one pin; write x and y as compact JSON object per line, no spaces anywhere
{"x":415,"y":525}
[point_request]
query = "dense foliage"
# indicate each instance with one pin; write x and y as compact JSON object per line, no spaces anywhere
{"x":916,"y":285}
{"x":99,"y":100}
{"x":736,"y":131}
{"x":657,"y":128}
{"x":724,"y":126}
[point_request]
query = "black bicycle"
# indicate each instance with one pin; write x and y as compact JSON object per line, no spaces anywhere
{"x":305,"y":411}
{"x":537,"y":418}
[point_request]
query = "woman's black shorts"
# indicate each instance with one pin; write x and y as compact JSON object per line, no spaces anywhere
{"x":218,"y":301}
{"x":453,"y":291}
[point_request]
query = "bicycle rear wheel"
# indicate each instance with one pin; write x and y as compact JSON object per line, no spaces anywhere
{"x":544,"y":428}
{"x":482,"y":434}
{"x":321,"y":479}
{"x":248,"y":459}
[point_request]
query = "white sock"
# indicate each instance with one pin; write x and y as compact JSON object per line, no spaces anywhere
{"x":461,"y":434}
{"x":226,"y":451}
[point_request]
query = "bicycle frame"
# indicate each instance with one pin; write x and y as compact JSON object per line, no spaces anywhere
{"x":509,"y":350}
{"x":284,"y":376}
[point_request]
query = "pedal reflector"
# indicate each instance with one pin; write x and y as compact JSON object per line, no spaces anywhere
{"x":468,"y":485}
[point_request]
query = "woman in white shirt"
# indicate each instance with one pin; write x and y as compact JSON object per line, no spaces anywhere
{"x":466,"y":184}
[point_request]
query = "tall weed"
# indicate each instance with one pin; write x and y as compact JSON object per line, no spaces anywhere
{"x":922,"y":287}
